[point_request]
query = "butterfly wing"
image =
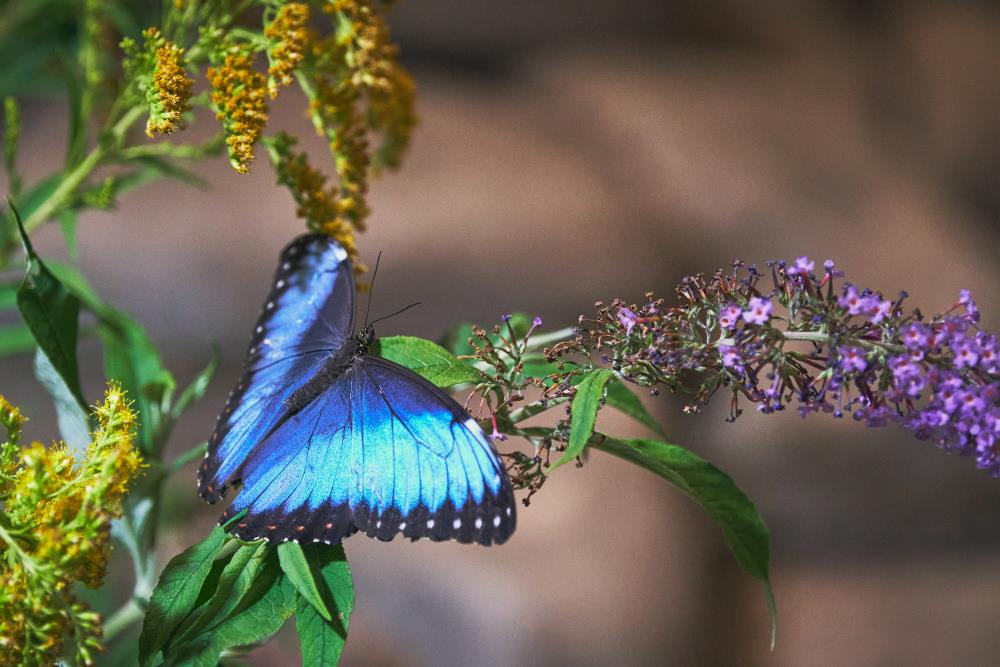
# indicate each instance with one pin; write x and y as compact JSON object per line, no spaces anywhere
{"x":382,"y":451}
{"x":308,"y":315}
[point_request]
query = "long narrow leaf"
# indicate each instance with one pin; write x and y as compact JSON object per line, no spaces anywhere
{"x":296,"y":568}
{"x":585,"y":405}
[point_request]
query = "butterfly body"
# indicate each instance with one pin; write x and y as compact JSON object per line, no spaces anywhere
{"x":325,"y":439}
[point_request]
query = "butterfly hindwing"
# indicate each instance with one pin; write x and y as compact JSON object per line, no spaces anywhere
{"x":308,"y":315}
{"x":382,"y":451}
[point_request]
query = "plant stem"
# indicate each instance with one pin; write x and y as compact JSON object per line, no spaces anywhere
{"x":75,"y":177}
{"x":817,"y":337}
{"x":123,"y":618}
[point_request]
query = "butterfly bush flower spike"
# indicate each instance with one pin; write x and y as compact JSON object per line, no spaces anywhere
{"x":790,"y":338}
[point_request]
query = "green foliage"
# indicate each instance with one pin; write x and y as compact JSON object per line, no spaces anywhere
{"x":428,"y":360}
{"x":223,"y":594}
{"x":176,"y":594}
{"x":323,"y":640}
{"x":296,"y":568}
{"x":586,"y":403}
{"x":623,"y":399}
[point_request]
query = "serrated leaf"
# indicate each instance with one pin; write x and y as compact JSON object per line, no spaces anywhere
{"x":71,"y":417}
{"x":296,"y":568}
{"x":176,"y":593}
{"x":322,"y":641}
{"x":623,"y":399}
{"x":742,"y":527}
{"x":428,"y":360}
{"x":586,"y":403}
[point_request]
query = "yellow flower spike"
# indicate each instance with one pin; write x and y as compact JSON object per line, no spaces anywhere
{"x":172,"y":90}
{"x":290,"y":35}
{"x":239,"y":94}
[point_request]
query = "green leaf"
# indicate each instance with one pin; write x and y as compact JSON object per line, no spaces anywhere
{"x":743,"y":528}
{"x":15,"y":338}
{"x":586,"y":403}
{"x":71,"y":417}
{"x":322,"y":641}
{"x":270,"y":602}
{"x":67,"y":223}
{"x":194,"y":391}
{"x":623,"y":399}
{"x":296,"y":568}
{"x":428,"y":360}
{"x":176,"y":593}
{"x":52,"y":313}
{"x":456,"y":339}
{"x":235,"y":581}
{"x":8,"y":295}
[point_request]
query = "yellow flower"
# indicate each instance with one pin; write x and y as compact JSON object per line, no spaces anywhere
{"x":320,"y":206}
{"x":56,"y":530}
{"x":172,"y":87}
{"x":157,"y":71}
{"x":239,"y":93}
{"x":290,"y":35}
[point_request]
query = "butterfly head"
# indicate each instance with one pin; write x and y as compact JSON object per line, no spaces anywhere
{"x":365,"y":338}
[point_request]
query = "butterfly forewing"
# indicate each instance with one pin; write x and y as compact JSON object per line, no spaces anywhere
{"x":308,"y":315}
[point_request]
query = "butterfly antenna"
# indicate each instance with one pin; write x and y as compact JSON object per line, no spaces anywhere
{"x":371,"y":289}
{"x":401,"y":310}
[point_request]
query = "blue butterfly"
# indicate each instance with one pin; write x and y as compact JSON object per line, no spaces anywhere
{"x":325,"y":440}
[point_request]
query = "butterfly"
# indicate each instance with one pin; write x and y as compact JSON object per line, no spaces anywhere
{"x":325,"y":440}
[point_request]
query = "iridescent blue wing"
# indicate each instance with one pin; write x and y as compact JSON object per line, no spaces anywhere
{"x":307,"y":316}
{"x":381,"y":451}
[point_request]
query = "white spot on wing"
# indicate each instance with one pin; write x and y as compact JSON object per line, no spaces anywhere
{"x":430,"y":523}
{"x":456,"y":524}
{"x":496,"y":521}
{"x":479,"y":522}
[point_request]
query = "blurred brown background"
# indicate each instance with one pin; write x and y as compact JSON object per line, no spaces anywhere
{"x":575,"y":149}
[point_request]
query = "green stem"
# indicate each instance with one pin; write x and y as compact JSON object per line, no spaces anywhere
{"x":75,"y":177}
{"x":122,"y":619}
{"x":817,"y":337}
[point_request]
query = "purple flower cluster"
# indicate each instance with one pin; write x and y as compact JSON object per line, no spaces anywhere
{"x":824,"y":348}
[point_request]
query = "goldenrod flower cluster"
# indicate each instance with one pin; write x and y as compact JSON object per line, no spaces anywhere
{"x":55,"y":520}
{"x":239,"y":94}
{"x":375,"y":70}
{"x":336,"y":107}
{"x":158,"y":71}
{"x":317,"y":204}
{"x":290,"y":38}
